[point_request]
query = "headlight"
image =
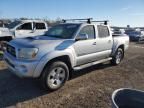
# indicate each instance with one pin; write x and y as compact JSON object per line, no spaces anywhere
{"x":27,"y":53}
{"x":0,"y":32}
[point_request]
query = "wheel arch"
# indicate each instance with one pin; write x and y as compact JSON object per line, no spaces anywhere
{"x":43,"y":64}
{"x":115,"y":48}
{"x":63,"y":58}
{"x":123,"y":48}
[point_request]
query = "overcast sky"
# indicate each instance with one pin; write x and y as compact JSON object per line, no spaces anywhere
{"x":119,"y":12}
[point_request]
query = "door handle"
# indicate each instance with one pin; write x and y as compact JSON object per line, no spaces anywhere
{"x":94,"y":43}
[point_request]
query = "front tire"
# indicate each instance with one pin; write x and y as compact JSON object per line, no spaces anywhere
{"x":117,"y":58}
{"x":55,"y":76}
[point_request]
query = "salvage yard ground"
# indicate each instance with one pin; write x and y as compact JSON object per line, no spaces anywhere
{"x":88,"y":88}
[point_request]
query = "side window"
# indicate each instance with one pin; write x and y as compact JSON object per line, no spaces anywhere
{"x":40,"y":26}
{"x":89,"y":30}
{"x":103,"y":31}
{"x":1,"y":25}
{"x":26,"y":26}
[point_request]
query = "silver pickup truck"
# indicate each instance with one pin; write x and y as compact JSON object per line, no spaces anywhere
{"x":64,"y":48}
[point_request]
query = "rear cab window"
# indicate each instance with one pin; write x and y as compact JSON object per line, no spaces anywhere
{"x":89,"y":30}
{"x":103,"y":31}
{"x":40,"y":26}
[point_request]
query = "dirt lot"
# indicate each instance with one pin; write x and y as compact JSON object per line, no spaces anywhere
{"x":88,"y":88}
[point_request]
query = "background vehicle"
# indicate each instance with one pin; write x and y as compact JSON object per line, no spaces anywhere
{"x":116,"y":31}
{"x":23,"y":28}
{"x":135,"y":35}
{"x":65,"y":47}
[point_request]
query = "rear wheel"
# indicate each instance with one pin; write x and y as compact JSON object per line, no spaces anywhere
{"x":117,"y":58}
{"x":55,"y":75}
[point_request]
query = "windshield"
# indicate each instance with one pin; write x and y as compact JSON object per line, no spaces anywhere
{"x":65,"y":31}
{"x":13,"y":24}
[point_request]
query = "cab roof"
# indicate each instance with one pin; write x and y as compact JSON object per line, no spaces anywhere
{"x":32,"y":21}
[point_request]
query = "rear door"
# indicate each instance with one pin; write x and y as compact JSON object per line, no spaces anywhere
{"x":104,"y":42}
{"x":39,"y":28}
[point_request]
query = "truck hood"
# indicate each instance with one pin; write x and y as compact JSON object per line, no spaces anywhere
{"x":42,"y":42}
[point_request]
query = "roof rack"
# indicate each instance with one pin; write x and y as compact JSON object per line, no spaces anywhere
{"x":105,"y":22}
{"x":86,"y":19}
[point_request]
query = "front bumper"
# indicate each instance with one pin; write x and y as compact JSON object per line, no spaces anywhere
{"x":21,"y":68}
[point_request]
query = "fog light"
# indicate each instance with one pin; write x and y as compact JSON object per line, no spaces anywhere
{"x":21,"y":68}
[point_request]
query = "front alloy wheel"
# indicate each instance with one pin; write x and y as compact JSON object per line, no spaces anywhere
{"x":55,"y":75}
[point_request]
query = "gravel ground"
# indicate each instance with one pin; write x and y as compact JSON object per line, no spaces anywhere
{"x":88,"y":88}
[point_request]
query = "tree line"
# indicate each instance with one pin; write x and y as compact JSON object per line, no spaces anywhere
{"x":5,"y":21}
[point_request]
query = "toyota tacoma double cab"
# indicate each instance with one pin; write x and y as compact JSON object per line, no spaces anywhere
{"x":65,"y":47}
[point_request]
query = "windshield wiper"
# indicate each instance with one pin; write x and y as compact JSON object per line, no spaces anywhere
{"x":54,"y":36}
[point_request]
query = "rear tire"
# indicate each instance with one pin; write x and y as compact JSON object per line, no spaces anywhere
{"x":117,"y":58}
{"x":54,"y":76}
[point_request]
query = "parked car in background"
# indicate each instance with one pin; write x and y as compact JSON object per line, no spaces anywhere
{"x":135,"y":35}
{"x":23,"y":28}
{"x":117,"y":31}
{"x":65,"y":47}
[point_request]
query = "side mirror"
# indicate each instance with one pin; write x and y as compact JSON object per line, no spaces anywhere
{"x":82,"y":37}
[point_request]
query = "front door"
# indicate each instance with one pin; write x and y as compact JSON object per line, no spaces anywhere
{"x":104,"y":42}
{"x":85,"y":49}
{"x":24,"y":30}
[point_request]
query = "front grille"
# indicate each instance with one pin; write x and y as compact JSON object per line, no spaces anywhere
{"x":11,"y":50}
